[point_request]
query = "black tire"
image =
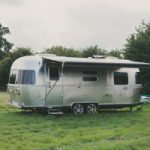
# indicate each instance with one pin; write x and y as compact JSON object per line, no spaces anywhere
{"x":78,"y":108}
{"x":91,"y":108}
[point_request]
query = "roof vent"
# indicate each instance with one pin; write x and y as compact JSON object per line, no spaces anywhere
{"x":111,"y":57}
{"x":98,"y":56}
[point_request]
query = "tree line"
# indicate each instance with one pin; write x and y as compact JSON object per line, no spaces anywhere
{"x":137,"y":48}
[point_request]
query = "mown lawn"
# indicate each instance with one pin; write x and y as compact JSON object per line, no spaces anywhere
{"x":119,"y":130}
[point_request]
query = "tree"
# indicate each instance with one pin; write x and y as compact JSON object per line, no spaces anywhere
{"x":5,"y":46}
{"x":62,"y":51}
{"x":6,"y":63}
{"x":20,"y":52}
{"x":138,"y":49}
{"x":138,"y":44}
{"x":116,"y":53}
{"x":93,"y":50}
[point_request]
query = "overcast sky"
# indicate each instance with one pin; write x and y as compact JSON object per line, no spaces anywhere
{"x":39,"y":24}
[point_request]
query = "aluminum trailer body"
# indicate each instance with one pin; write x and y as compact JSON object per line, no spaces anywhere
{"x":48,"y":81}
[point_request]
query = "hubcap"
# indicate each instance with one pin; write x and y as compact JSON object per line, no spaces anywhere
{"x":78,"y":109}
{"x":92,"y":108}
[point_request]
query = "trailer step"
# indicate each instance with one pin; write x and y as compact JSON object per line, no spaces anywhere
{"x":54,"y":111}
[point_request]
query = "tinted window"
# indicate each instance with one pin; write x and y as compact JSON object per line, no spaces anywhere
{"x":137,"y":78}
{"x":89,"y":75}
{"x":87,"y":78}
{"x":54,"y":73}
{"x":26,"y":77}
{"x":120,"y":78}
{"x":12,"y":78}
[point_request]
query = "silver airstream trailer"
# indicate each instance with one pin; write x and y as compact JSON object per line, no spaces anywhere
{"x":56,"y":83}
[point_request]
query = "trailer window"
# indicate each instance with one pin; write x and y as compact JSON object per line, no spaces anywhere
{"x":12,"y":78}
{"x":89,"y":75}
{"x":120,"y":78}
{"x":26,"y":77}
{"x":137,"y":78}
{"x":88,"y":78}
{"x":54,"y":73}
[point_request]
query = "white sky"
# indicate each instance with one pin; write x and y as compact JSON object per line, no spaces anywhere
{"x":40,"y":24}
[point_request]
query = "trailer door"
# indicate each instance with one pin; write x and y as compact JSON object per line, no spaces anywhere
{"x":53,"y":91}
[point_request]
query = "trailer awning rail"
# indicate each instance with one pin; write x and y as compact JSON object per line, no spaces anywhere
{"x":96,"y":63}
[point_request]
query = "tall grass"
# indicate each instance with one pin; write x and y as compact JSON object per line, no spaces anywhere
{"x":118,"y":130}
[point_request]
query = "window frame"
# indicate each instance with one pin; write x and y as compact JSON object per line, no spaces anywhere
{"x":126,"y":80}
{"x":22,"y":76}
{"x":89,"y":76}
{"x":49,"y":73}
{"x":138,"y":78}
{"x":13,"y":70}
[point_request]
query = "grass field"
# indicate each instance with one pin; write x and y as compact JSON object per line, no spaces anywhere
{"x":119,"y":130}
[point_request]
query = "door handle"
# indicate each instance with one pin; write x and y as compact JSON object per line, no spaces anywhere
{"x":79,"y":85}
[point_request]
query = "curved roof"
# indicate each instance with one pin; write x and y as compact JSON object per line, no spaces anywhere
{"x":27,"y":62}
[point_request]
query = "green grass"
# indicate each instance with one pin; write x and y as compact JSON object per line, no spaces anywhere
{"x":120,"y":130}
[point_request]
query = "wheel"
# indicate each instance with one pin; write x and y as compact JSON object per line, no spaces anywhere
{"x":78,"y":109}
{"x":92,"y":108}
